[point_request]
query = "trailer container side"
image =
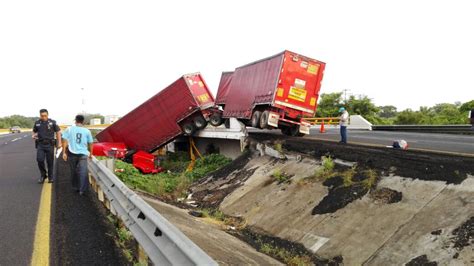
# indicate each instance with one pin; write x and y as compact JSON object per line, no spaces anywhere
{"x":275,"y":92}
{"x":224,"y":84}
{"x":164,"y":116}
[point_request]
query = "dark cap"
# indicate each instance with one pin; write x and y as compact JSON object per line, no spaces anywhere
{"x":79,"y":119}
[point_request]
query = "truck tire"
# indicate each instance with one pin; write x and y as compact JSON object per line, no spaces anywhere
{"x":284,"y":131}
{"x":264,"y":119}
{"x":293,"y":131}
{"x":227,"y":123}
{"x":255,"y":122}
{"x":216,"y":119}
{"x":189,"y":129}
{"x":200,"y":122}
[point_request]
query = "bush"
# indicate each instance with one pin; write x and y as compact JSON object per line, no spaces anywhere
{"x":281,"y":177}
{"x":326,"y":170}
{"x":170,"y":183}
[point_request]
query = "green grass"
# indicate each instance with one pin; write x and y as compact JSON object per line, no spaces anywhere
{"x":280,"y":176}
{"x":123,"y":238}
{"x":287,"y":256}
{"x":278,"y":147}
{"x":214,"y":214}
{"x":175,"y":182}
{"x":371,"y":180}
{"x":326,"y":170}
{"x":347,"y":176}
{"x":123,"y":234}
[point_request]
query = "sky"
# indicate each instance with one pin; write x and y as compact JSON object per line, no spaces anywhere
{"x":403,"y":53}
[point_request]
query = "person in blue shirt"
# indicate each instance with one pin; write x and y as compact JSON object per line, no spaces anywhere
{"x":77,"y":147}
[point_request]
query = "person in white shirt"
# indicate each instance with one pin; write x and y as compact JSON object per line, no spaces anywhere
{"x":343,"y":122}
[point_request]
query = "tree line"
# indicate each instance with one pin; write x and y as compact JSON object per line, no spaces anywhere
{"x":17,"y":120}
{"x":27,"y":122}
{"x":439,"y":114}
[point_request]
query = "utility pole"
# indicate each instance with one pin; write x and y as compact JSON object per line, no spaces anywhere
{"x":345,"y":95}
{"x":83,"y":102}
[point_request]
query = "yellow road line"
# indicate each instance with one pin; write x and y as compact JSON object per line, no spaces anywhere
{"x":41,"y":244}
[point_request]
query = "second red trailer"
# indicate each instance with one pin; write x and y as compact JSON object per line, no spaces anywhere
{"x":275,"y":92}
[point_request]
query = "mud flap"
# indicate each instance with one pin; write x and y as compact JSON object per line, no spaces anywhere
{"x":273,"y":119}
{"x":304,"y":128}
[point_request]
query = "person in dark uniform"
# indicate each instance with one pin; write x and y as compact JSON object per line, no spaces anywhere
{"x":44,"y":132}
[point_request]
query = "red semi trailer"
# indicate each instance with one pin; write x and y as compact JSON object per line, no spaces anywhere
{"x":275,"y":92}
{"x":181,"y":108}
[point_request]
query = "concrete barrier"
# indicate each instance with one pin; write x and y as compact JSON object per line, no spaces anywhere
{"x":359,"y":122}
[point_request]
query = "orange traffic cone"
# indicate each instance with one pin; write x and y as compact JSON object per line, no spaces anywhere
{"x":322,"y":130}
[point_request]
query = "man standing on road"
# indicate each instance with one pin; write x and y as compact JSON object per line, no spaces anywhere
{"x":343,"y":122}
{"x":44,"y":131}
{"x":77,"y":147}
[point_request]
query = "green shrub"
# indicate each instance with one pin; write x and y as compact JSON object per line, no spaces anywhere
{"x":280,"y":176}
{"x":326,"y":170}
{"x":174,"y":183}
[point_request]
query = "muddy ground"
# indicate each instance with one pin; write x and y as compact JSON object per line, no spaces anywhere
{"x":406,"y":163}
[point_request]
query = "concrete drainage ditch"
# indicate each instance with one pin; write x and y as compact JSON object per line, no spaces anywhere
{"x":324,"y":203}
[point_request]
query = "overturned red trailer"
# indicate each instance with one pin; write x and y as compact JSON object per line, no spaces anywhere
{"x":181,"y":108}
{"x":275,"y":92}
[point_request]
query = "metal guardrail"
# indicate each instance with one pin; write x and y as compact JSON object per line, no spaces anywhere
{"x":162,"y":241}
{"x":454,"y":129}
{"x":320,"y":120}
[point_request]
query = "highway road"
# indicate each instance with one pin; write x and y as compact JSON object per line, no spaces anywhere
{"x":19,"y":199}
{"x":433,"y":142}
{"x":448,"y":143}
{"x":48,"y":224}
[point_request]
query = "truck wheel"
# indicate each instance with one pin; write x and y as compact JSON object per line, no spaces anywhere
{"x":188,"y":129}
{"x":216,"y":120}
{"x":293,"y":131}
{"x":227,"y":123}
{"x":255,"y":122}
{"x":284,"y":131}
{"x":264,"y":119}
{"x":200,"y":122}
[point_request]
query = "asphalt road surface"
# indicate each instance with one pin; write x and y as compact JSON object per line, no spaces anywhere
{"x":78,"y":231}
{"x":452,"y":143}
{"x":19,"y":198}
{"x":445,"y":143}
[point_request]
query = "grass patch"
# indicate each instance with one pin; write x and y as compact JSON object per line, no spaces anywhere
{"x":347,"y":176}
{"x":288,"y":252}
{"x":371,"y":180}
{"x":124,"y":239}
{"x":284,"y":255}
{"x":326,"y":170}
{"x":281,"y":177}
{"x":175,"y":182}
{"x":350,"y":177}
{"x":278,"y":147}
{"x":214,"y":214}
{"x":222,"y":219}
